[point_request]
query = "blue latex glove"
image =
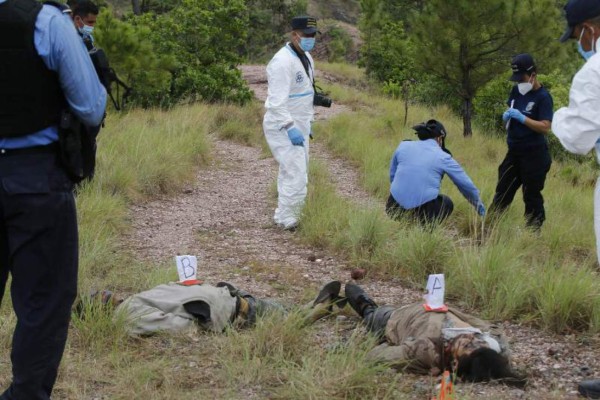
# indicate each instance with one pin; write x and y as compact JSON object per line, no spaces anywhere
{"x":506,"y":115}
{"x":480,"y":209}
{"x":516,"y":114}
{"x":296,"y":136}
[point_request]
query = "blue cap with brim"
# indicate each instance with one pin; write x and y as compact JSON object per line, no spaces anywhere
{"x":578,"y":11}
{"x":305,"y":24}
{"x":521,"y":65}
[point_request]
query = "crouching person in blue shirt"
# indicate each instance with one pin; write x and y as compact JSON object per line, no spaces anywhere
{"x":416,"y":173}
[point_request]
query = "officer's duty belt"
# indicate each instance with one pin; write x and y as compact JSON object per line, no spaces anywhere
{"x":51,"y":148}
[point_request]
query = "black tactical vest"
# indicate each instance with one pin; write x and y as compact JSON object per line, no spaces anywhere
{"x":30,"y":95}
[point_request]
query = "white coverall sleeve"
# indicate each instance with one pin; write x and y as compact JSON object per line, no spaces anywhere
{"x":280,"y":82}
{"x":578,"y":125}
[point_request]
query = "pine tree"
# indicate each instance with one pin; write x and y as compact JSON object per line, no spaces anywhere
{"x":468,"y":43}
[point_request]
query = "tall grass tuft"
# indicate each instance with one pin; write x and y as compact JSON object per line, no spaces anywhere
{"x":282,"y":356}
{"x":326,"y":215}
{"x":343,"y":372}
{"x":568,"y":299}
{"x":258,"y":356}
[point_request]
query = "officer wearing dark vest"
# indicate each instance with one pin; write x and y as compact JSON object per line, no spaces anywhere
{"x":527,"y":162}
{"x":45,"y":70}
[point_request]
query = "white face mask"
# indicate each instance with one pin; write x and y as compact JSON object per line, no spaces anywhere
{"x":525,"y":87}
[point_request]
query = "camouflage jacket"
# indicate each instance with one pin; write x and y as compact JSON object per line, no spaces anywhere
{"x":414,"y":338}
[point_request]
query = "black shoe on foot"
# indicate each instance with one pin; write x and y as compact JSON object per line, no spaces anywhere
{"x":590,"y":389}
{"x":358,"y":299}
{"x":330,"y":292}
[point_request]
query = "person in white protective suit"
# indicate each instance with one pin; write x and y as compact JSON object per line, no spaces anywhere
{"x":287,"y":121}
{"x":578,"y":125}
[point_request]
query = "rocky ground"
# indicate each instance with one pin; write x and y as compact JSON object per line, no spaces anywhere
{"x":225,"y":217}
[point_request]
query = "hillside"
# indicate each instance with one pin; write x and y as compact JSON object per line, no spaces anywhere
{"x":347,"y":11}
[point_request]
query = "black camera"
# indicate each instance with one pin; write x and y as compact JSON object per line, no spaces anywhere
{"x":108,"y":76}
{"x":320,"y":100}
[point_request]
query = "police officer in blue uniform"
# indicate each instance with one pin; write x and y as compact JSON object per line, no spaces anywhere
{"x":416,"y":172}
{"x":44,"y":70}
{"x":527,"y":162}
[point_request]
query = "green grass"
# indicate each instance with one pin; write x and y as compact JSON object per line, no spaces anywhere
{"x":346,"y":74}
{"x":282,"y":355}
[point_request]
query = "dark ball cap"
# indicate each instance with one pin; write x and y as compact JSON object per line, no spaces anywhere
{"x":578,"y":11}
{"x":305,"y":24}
{"x":430,"y":129}
{"x":522,"y":64}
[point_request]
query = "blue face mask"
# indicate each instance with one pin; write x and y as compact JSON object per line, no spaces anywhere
{"x":586,"y":54}
{"x":307,"y":44}
{"x":86,"y":30}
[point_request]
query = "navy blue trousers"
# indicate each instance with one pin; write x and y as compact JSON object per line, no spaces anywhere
{"x":39,"y":250}
{"x":527,"y":168}
{"x":433,"y":211}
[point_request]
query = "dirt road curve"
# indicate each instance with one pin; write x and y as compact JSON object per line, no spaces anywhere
{"x":225,"y":219}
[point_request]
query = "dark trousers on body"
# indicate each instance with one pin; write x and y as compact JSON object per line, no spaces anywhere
{"x":38,"y":248}
{"x":376,"y":318}
{"x":527,"y":168}
{"x":435,"y":210}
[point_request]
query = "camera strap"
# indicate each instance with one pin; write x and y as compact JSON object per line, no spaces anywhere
{"x":308,"y":68}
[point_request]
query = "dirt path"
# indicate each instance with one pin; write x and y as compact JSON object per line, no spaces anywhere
{"x":225,"y":218}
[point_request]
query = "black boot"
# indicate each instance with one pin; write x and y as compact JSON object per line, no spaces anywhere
{"x":590,"y":389}
{"x":358,"y":299}
{"x":329,"y":292}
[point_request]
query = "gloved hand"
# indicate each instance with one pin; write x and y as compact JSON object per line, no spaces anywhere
{"x":506,"y":115}
{"x":516,"y":114}
{"x":296,"y":136}
{"x":480,"y":209}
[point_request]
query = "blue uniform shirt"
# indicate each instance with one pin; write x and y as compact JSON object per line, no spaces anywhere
{"x":537,"y":105}
{"x":416,"y":173}
{"x":63,"y":51}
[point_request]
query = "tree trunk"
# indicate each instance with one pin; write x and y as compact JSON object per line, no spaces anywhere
{"x":405,"y":93}
{"x":465,"y":90}
{"x":135,"y":6}
{"x":467,"y":115}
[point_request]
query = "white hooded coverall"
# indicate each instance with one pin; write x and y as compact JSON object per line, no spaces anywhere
{"x":289,"y":103}
{"x":578,"y":125}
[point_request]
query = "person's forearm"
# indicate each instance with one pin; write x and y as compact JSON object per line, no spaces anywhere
{"x":541,"y":127}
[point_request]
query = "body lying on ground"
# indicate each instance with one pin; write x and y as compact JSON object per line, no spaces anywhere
{"x":175,"y":307}
{"x":426,"y":342}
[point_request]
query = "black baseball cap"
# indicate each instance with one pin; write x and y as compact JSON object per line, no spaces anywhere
{"x":521,"y":64}
{"x":430,"y":129}
{"x":305,"y":24}
{"x":578,"y":11}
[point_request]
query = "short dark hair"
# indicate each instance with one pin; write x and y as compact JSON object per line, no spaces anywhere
{"x":83,"y":8}
{"x":485,"y":364}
